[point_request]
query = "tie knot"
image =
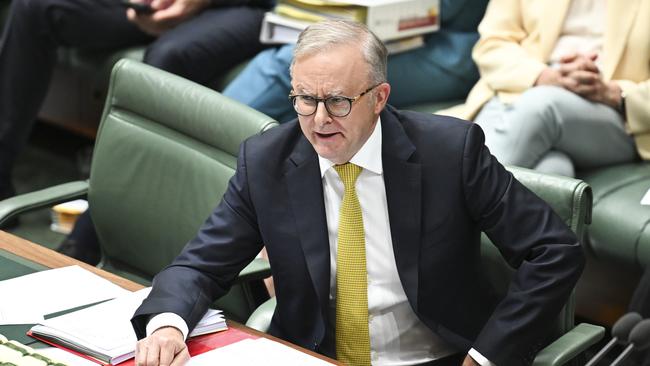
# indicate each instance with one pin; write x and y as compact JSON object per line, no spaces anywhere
{"x":348,"y":173}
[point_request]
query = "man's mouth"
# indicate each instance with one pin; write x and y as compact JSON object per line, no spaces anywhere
{"x":326,"y":135}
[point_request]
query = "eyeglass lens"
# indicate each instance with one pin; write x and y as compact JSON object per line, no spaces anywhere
{"x":336,"y":106}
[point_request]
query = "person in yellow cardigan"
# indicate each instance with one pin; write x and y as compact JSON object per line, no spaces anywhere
{"x":563,"y":85}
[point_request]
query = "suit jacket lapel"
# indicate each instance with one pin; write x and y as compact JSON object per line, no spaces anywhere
{"x":306,"y":198}
{"x":619,"y":22}
{"x":403,"y":193}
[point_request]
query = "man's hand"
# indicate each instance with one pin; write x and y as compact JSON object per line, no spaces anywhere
{"x":164,"y":347}
{"x":583,"y":77}
{"x":469,"y":361}
{"x":592,"y":87}
{"x":579,"y":74}
{"x":562,"y":76}
{"x":578,"y":62}
{"x":166,"y":14}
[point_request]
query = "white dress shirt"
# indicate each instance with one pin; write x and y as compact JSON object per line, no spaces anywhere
{"x":397,"y":336}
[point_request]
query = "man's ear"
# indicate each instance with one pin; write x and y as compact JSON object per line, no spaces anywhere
{"x":381,"y":96}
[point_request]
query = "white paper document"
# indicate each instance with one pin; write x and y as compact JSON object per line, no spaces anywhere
{"x":106,"y":324}
{"x":259,"y":351}
{"x":104,"y":331}
{"x":26,"y":299}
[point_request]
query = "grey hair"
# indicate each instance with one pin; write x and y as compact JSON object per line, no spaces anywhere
{"x":330,"y":33}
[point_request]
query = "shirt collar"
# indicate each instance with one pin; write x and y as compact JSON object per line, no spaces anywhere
{"x":368,"y":157}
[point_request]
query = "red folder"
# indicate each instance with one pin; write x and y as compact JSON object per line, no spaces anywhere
{"x":195,"y":345}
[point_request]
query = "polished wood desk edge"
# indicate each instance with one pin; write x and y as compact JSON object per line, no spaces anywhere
{"x":52,"y":259}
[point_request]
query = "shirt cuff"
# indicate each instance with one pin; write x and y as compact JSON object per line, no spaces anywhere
{"x":167,"y":320}
{"x":479,"y":358}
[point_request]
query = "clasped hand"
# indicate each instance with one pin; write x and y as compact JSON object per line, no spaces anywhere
{"x":166,"y":14}
{"x":164,"y":347}
{"x":578,"y":73}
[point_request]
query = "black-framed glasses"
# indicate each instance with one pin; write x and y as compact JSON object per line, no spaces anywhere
{"x":337,"y":106}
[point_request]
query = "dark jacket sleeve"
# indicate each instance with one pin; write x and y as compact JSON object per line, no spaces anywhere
{"x":534,"y":240}
{"x":205,"y":269}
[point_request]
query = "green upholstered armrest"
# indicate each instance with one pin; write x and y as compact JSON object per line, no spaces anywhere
{"x":260,"y":319}
{"x":570,"y":198}
{"x":258,"y":269}
{"x":13,"y":206}
{"x":569,"y":345}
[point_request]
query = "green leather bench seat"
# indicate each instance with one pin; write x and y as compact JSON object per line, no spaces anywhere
{"x":619,"y":229}
{"x":78,"y":90}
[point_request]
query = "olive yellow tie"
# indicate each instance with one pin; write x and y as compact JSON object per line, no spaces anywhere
{"x":352,"y":334}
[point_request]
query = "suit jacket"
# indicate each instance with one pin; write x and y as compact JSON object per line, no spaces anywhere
{"x":443,"y":188}
{"x":518,"y":37}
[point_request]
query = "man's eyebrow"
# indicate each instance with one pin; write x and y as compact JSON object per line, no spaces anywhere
{"x":335,"y":93}
{"x":304,"y":91}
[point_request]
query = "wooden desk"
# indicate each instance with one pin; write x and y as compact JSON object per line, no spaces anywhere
{"x":52,"y":259}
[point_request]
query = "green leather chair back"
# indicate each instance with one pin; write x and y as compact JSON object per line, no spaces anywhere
{"x":165,"y":151}
{"x":571,"y":199}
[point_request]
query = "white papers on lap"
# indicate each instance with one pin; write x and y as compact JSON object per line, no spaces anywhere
{"x":259,"y":351}
{"x":26,"y":299}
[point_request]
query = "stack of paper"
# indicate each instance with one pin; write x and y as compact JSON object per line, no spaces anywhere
{"x":316,"y":11}
{"x":259,"y":351}
{"x":104,"y":331}
{"x":52,"y":291}
{"x":399,"y":22}
{"x":212,"y":321}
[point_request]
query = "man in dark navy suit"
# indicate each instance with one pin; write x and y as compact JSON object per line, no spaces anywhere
{"x":372,"y":219}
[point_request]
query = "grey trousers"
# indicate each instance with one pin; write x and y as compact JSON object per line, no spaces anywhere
{"x":555,"y":131}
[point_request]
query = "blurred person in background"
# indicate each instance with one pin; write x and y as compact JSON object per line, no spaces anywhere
{"x":197,"y":39}
{"x":441,"y":70}
{"x":563,"y":87}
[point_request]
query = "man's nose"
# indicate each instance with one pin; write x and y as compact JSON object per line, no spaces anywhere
{"x":322,"y":116}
